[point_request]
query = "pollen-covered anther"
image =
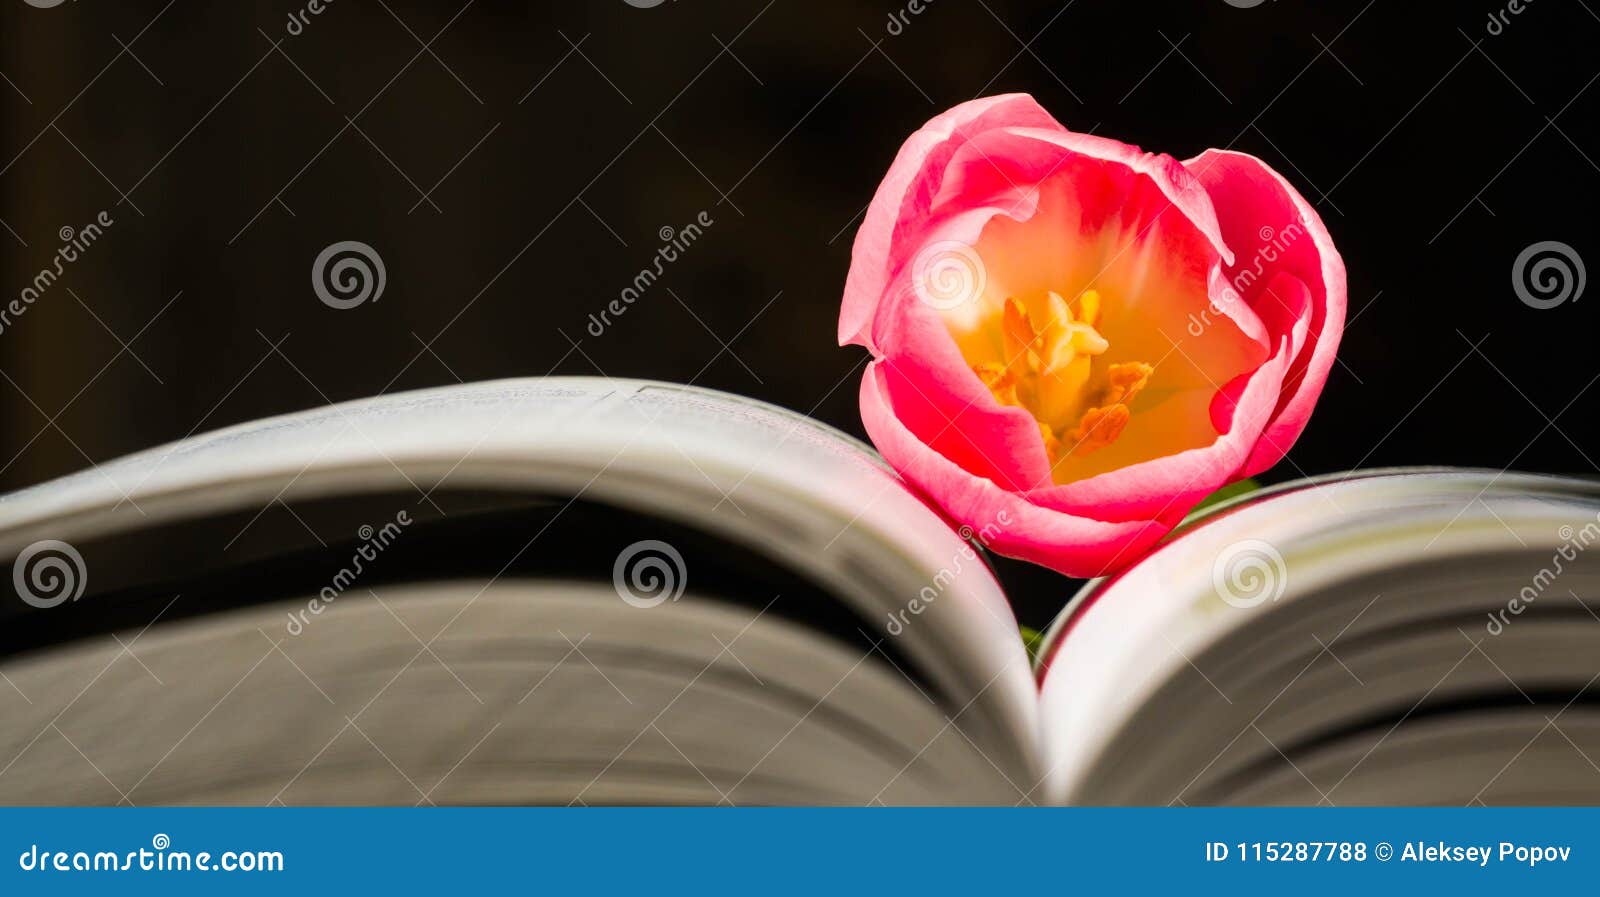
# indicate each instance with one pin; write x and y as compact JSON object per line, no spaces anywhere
{"x":1126,"y":380}
{"x":1099,"y":428}
{"x":1049,"y":369}
{"x":999,"y":380}
{"x":1101,"y":425}
{"x":1052,"y":444}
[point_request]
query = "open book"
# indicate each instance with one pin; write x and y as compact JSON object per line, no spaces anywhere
{"x":582,"y":590}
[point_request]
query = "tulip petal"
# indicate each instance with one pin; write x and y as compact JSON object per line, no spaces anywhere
{"x":906,"y":194}
{"x":1272,"y":229}
{"x":1013,"y":526}
{"x":942,"y":402}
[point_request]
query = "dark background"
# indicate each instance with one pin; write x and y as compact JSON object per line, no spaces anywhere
{"x":514,"y":162}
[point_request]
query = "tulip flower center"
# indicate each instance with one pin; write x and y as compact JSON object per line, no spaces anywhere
{"x":1052,"y":370}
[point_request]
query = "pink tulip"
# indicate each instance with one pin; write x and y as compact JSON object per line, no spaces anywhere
{"x":1074,"y":341}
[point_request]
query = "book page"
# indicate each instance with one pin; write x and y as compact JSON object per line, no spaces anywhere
{"x":1316,"y":642}
{"x":808,"y":495}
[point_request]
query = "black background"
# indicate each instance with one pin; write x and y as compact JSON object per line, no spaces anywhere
{"x":554,"y":141}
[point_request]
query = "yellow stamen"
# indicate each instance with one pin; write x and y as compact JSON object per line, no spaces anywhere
{"x":1020,"y":339}
{"x":1099,"y":428}
{"x":1126,"y":380}
{"x":1089,"y":307}
{"x":1049,"y":371}
{"x":999,"y":380}
{"x":1052,"y":444}
{"x":994,"y":374}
